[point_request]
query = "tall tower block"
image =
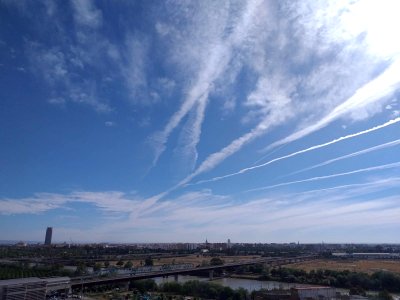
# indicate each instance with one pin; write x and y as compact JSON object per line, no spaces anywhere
{"x":49,"y":233}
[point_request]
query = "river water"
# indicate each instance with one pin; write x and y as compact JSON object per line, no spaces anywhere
{"x":234,"y":283}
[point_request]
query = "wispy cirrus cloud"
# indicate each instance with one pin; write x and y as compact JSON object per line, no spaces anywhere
{"x":209,"y":82}
{"x":279,"y":96}
{"x":219,"y":53}
{"x":377,"y":90}
{"x":58,"y":69}
{"x":87,"y":14}
{"x":111,"y":202}
{"x":195,"y":214}
{"x":69,"y":60}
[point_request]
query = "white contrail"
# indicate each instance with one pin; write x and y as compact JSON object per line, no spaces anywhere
{"x":214,"y":65}
{"x":375,"y":90}
{"x":386,"y":182}
{"x":380,"y":87}
{"x":381,"y":167}
{"x":368,"y":150}
{"x":391,"y":122}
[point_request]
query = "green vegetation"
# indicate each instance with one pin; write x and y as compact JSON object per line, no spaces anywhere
{"x":85,"y":252}
{"x":215,"y":261}
{"x":120,"y":263}
{"x":11,"y":271}
{"x":97,"y":267}
{"x":143,"y":286}
{"x":81,"y":269}
{"x":148,"y":261}
{"x":355,"y":281}
{"x":128,"y":264}
{"x":192,"y":288}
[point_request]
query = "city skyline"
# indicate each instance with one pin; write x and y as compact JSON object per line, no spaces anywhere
{"x":257,"y":121}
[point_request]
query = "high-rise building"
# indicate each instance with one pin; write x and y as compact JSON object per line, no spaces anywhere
{"x":49,"y":233}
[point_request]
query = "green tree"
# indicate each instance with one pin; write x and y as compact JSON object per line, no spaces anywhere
{"x":144,"y":285}
{"x":128,"y":264}
{"x":148,"y":261}
{"x":120,"y":263}
{"x":97,"y":267}
{"x":172,"y":287}
{"x":80,"y":269}
{"x":215,"y":261}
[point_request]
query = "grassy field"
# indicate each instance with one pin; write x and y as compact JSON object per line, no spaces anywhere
{"x":366,"y":266}
{"x":191,"y":259}
{"x":198,"y":259}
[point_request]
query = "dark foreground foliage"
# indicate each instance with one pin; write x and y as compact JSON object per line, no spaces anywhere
{"x":12,"y":271}
{"x":192,"y":288}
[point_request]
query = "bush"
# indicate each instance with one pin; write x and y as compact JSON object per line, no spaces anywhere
{"x":215,"y":261}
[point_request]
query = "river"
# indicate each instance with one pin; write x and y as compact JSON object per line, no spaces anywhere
{"x":248,"y":284}
{"x":234,"y":283}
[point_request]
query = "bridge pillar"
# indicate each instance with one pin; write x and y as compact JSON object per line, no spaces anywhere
{"x":176,"y":277}
{"x":211,"y":275}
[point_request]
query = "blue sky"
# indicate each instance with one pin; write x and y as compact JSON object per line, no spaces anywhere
{"x":145,"y":121}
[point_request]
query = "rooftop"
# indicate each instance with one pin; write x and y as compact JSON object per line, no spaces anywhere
{"x":21,"y":281}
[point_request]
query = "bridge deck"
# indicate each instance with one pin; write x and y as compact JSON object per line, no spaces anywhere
{"x":88,"y":281}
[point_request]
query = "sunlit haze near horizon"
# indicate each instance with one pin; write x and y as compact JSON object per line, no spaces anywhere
{"x":177,"y":121}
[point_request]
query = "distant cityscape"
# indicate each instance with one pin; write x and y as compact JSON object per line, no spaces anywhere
{"x":66,"y":270}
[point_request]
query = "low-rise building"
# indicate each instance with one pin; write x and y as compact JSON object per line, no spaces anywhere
{"x":32,"y":288}
{"x":23,"y":288}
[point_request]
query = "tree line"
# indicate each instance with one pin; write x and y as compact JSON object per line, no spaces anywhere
{"x":12,"y":271}
{"x":379,"y":281}
{"x":194,"y":288}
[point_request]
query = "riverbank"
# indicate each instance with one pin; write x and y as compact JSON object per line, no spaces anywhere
{"x":245,"y":276}
{"x":368,"y":266}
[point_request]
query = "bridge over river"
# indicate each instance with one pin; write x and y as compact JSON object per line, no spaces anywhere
{"x":80,"y":282}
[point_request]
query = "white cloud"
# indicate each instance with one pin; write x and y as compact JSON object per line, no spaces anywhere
{"x":194,"y":214}
{"x":87,"y":14}
{"x":279,"y":92}
{"x":299,"y":61}
{"x":189,"y":138}
{"x":134,"y":70}
{"x":109,"y":124}
{"x":60,"y":62}
{"x":272,"y":102}
{"x":167,"y":85}
{"x":377,"y":90}
{"x":57,"y":101}
{"x":211,"y":62}
{"x":111,"y":202}
{"x":27,"y":206}
{"x":228,"y":106}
